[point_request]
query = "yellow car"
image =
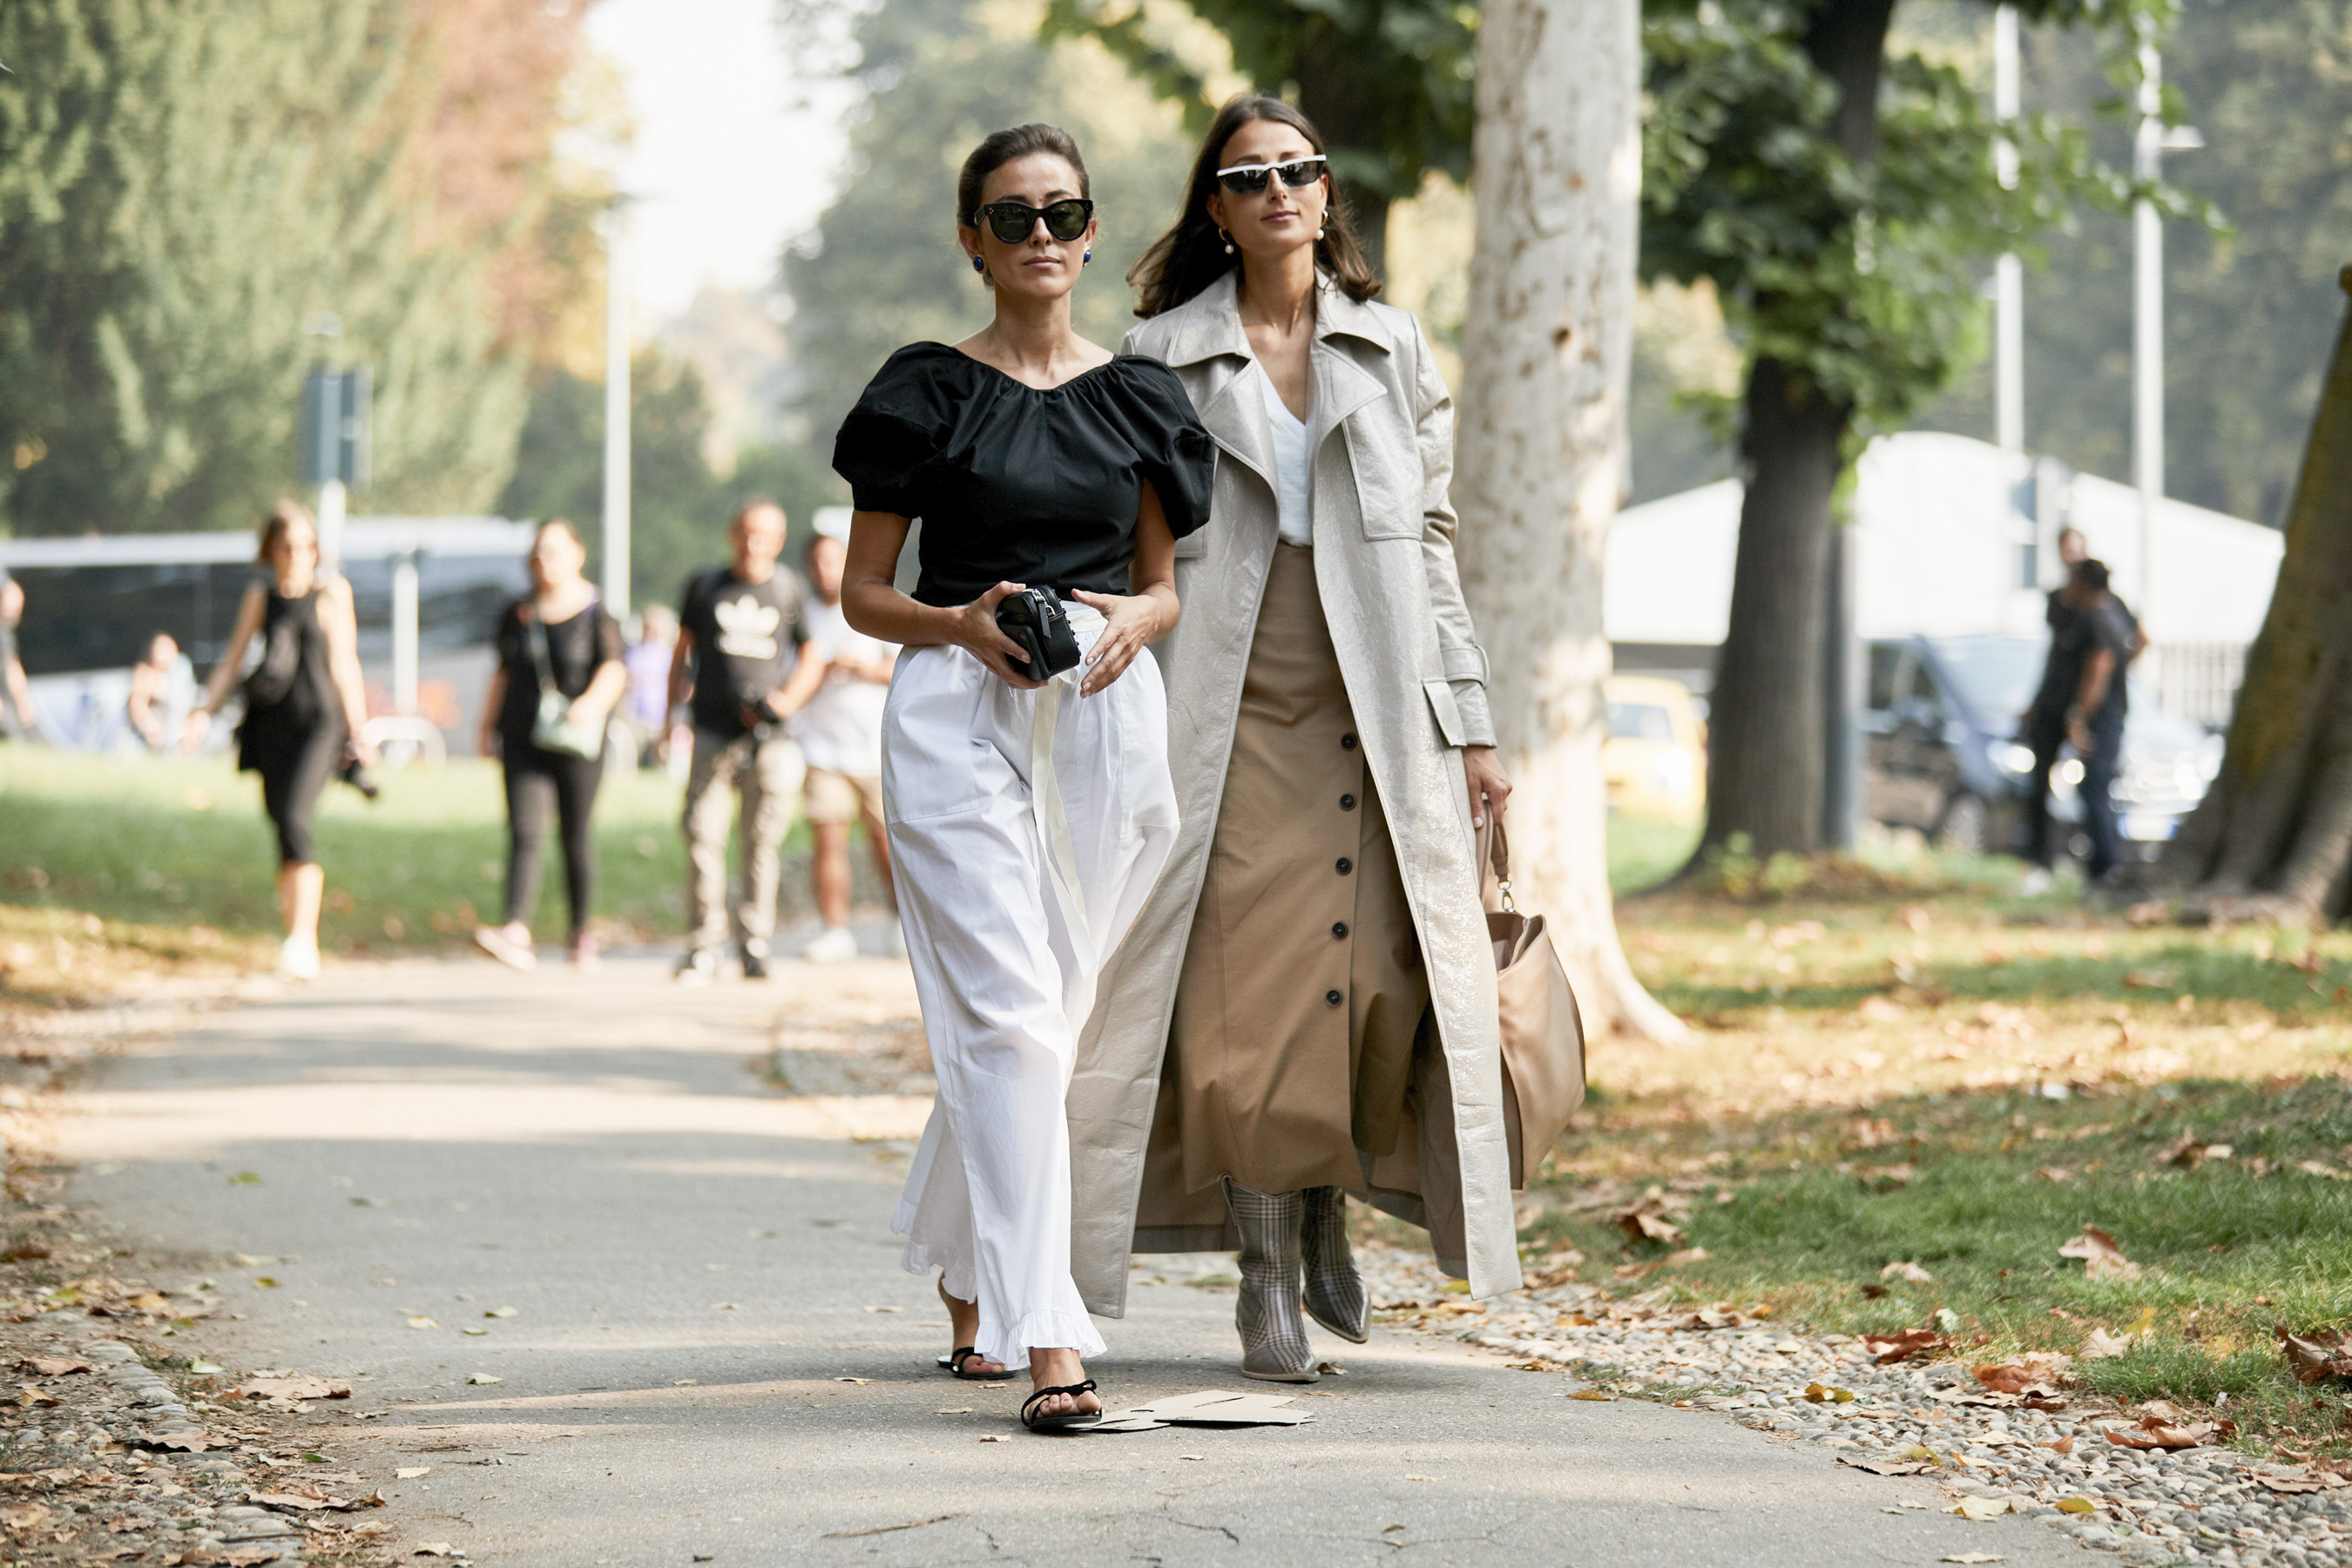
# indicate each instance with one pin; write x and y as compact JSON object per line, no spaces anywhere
{"x":1656,"y":757}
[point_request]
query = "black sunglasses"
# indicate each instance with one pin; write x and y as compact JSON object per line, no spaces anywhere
{"x":1013,"y":222}
{"x":1249,"y":179}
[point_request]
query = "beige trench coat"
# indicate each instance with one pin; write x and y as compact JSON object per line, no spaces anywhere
{"x":1381,"y":438}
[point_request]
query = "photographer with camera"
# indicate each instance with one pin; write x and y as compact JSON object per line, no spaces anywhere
{"x":742,"y":668}
{"x":305,"y":710}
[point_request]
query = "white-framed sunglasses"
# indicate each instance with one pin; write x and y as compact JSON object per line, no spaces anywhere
{"x":1249,"y":179}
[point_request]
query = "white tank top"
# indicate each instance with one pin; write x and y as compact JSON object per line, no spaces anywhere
{"x":1290,"y":472}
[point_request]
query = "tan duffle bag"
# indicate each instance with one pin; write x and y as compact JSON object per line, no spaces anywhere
{"x":1543,"y":1036}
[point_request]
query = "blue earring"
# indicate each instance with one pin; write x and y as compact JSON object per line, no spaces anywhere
{"x":1090,"y":256}
{"x":977,"y":265}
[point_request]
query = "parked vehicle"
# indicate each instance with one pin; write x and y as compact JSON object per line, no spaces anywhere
{"x":1942,"y":751}
{"x":1655,"y":759}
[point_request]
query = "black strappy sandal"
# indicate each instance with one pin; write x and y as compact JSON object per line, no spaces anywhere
{"x":952,"y":1364}
{"x":1057,"y":1423}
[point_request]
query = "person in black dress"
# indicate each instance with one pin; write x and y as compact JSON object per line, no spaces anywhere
{"x":305,"y":710}
{"x":557,"y":638}
{"x":1028,"y":819}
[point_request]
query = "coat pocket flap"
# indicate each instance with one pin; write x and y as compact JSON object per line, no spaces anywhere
{"x":1448,"y":715}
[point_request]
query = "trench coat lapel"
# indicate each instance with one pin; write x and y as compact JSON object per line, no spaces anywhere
{"x":1234,"y":414}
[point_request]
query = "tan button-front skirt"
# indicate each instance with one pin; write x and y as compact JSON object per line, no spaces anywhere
{"x":1302,"y":985}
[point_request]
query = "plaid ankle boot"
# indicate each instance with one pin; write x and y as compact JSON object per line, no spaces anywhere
{"x":1335,"y":1291}
{"x":1273,"y":1336}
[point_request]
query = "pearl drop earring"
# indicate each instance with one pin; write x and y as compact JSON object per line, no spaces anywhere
{"x":1229,"y":242}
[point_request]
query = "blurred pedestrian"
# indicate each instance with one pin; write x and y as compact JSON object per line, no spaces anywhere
{"x":17,"y":716}
{"x":2083,"y":702}
{"x":840,"y":732}
{"x":738,"y":674}
{"x":560,"y":676}
{"x":1029,"y":798}
{"x":647,"y":711}
{"x":154,"y":681}
{"x":305,"y":710}
{"x":1328,"y":1023}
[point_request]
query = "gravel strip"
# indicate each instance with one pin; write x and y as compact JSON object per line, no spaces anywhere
{"x":2200,"y":1505}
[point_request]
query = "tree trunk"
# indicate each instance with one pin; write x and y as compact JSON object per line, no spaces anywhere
{"x":2274,"y":837}
{"x":1764,"y":720}
{"x":1767,"y":722}
{"x":1547,"y":360}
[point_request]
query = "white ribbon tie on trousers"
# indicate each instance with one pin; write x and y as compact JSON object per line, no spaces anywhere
{"x":1053,"y":821}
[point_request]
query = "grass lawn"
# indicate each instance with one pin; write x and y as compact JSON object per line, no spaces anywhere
{"x":1962,"y":1083}
{"x":180,"y":846}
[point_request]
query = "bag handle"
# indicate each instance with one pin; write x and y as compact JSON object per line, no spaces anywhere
{"x":1495,"y":860}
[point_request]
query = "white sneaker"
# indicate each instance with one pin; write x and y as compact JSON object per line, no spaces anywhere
{"x":507,"y":945}
{"x":2036,"y":882}
{"x":837,"y":945}
{"x":297,"y":960}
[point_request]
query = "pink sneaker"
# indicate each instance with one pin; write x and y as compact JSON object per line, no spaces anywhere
{"x":585,"y":956}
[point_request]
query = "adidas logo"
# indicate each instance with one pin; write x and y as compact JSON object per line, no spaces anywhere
{"x":747,"y":628}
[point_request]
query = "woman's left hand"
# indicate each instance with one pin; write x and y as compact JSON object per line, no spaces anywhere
{"x":364,"y":750}
{"x":1487,"y":785}
{"x":1134,"y":621}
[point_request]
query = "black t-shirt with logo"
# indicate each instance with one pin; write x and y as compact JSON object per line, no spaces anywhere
{"x":747,"y":637}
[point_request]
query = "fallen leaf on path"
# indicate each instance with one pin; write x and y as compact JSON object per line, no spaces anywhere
{"x":684,"y":1381}
{"x":722,"y":1307}
{"x":27,"y":1397}
{"x":260,"y":1387}
{"x":1973,"y":1557}
{"x":23,"y":1515}
{"x":474,"y":1333}
{"x":1006,"y":1437}
{"x":957,"y":1410}
{"x":1887,"y":1467}
{"x":1593,"y":1394}
{"x":422,"y":1322}
{"x":2156,"y":1432}
{"x":1888,"y":1349}
{"x":53,"y":1365}
{"x":410,"y":1472}
{"x":2061,"y":1447}
{"x":483,"y":1378}
{"x":2292,"y":1484}
{"x":1819,"y":1393}
{"x":1911,"y":1271}
{"x":1979,"y":1508}
{"x":2102,"y":1258}
{"x":2036,"y":1376}
{"x":860,"y":1382}
{"x":2317,"y":1356}
{"x":499,"y":1312}
{"x":252,"y":1259}
{"x":882,"y":1529}
{"x":430,"y":1549}
{"x":2076,"y":1505}
{"x":892,"y":1309}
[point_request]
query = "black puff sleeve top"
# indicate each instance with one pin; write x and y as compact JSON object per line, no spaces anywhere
{"x":1014,"y":484}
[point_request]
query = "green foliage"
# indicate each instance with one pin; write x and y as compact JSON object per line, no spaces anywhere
{"x":1388,"y":82}
{"x":1858,"y":268}
{"x":883,"y":268}
{"x":2249,"y":313}
{"x":181,"y":186}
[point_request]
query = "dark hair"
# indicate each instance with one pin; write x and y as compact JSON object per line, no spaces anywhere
{"x":282,"y":517}
{"x":1192,"y":256}
{"x":2093,"y":574}
{"x":999,"y":148}
{"x":562,"y":522}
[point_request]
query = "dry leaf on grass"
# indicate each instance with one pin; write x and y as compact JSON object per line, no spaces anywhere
{"x":2101,"y":1345}
{"x":1687,"y":1254}
{"x":2102,"y":1258}
{"x":2191,"y":1153}
{"x":1649,"y":1220}
{"x":1888,"y":1349}
{"x":1911,"y":1271}
{"x":2317,"y":1356}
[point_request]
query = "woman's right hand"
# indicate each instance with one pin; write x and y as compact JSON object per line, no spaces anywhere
{"x":200,"y":723}
{"x":976,"y":632}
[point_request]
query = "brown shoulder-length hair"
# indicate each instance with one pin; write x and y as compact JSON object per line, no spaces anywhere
{"x":272,"y":532}
{"x":1192,"y":256}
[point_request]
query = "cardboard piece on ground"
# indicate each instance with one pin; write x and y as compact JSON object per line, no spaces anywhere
{"x":1209,"y":1407}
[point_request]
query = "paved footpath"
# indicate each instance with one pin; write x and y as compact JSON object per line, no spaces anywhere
{"x":714,"y":1356}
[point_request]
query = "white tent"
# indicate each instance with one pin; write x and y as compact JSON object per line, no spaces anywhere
{"x":1943,"y":543}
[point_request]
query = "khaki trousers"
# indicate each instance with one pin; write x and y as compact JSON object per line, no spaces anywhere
{"x":767,"y":773}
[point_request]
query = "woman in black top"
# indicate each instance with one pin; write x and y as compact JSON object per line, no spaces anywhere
{"x":1028,"y":819}
{"x":558,"y":638}
{"x":304,"y":709}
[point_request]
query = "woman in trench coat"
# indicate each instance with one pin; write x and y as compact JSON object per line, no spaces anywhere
{"x":1307,"y":1007}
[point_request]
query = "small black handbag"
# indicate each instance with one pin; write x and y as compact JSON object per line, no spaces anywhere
{"x":1034,"y":619}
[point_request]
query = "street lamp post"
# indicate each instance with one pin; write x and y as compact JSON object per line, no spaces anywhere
{"x":616,"y":416}
{"x":2008,"y":275}
{"x":2149,"y":145}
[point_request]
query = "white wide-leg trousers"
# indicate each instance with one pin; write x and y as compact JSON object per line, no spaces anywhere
{"x":1005,"y":961}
